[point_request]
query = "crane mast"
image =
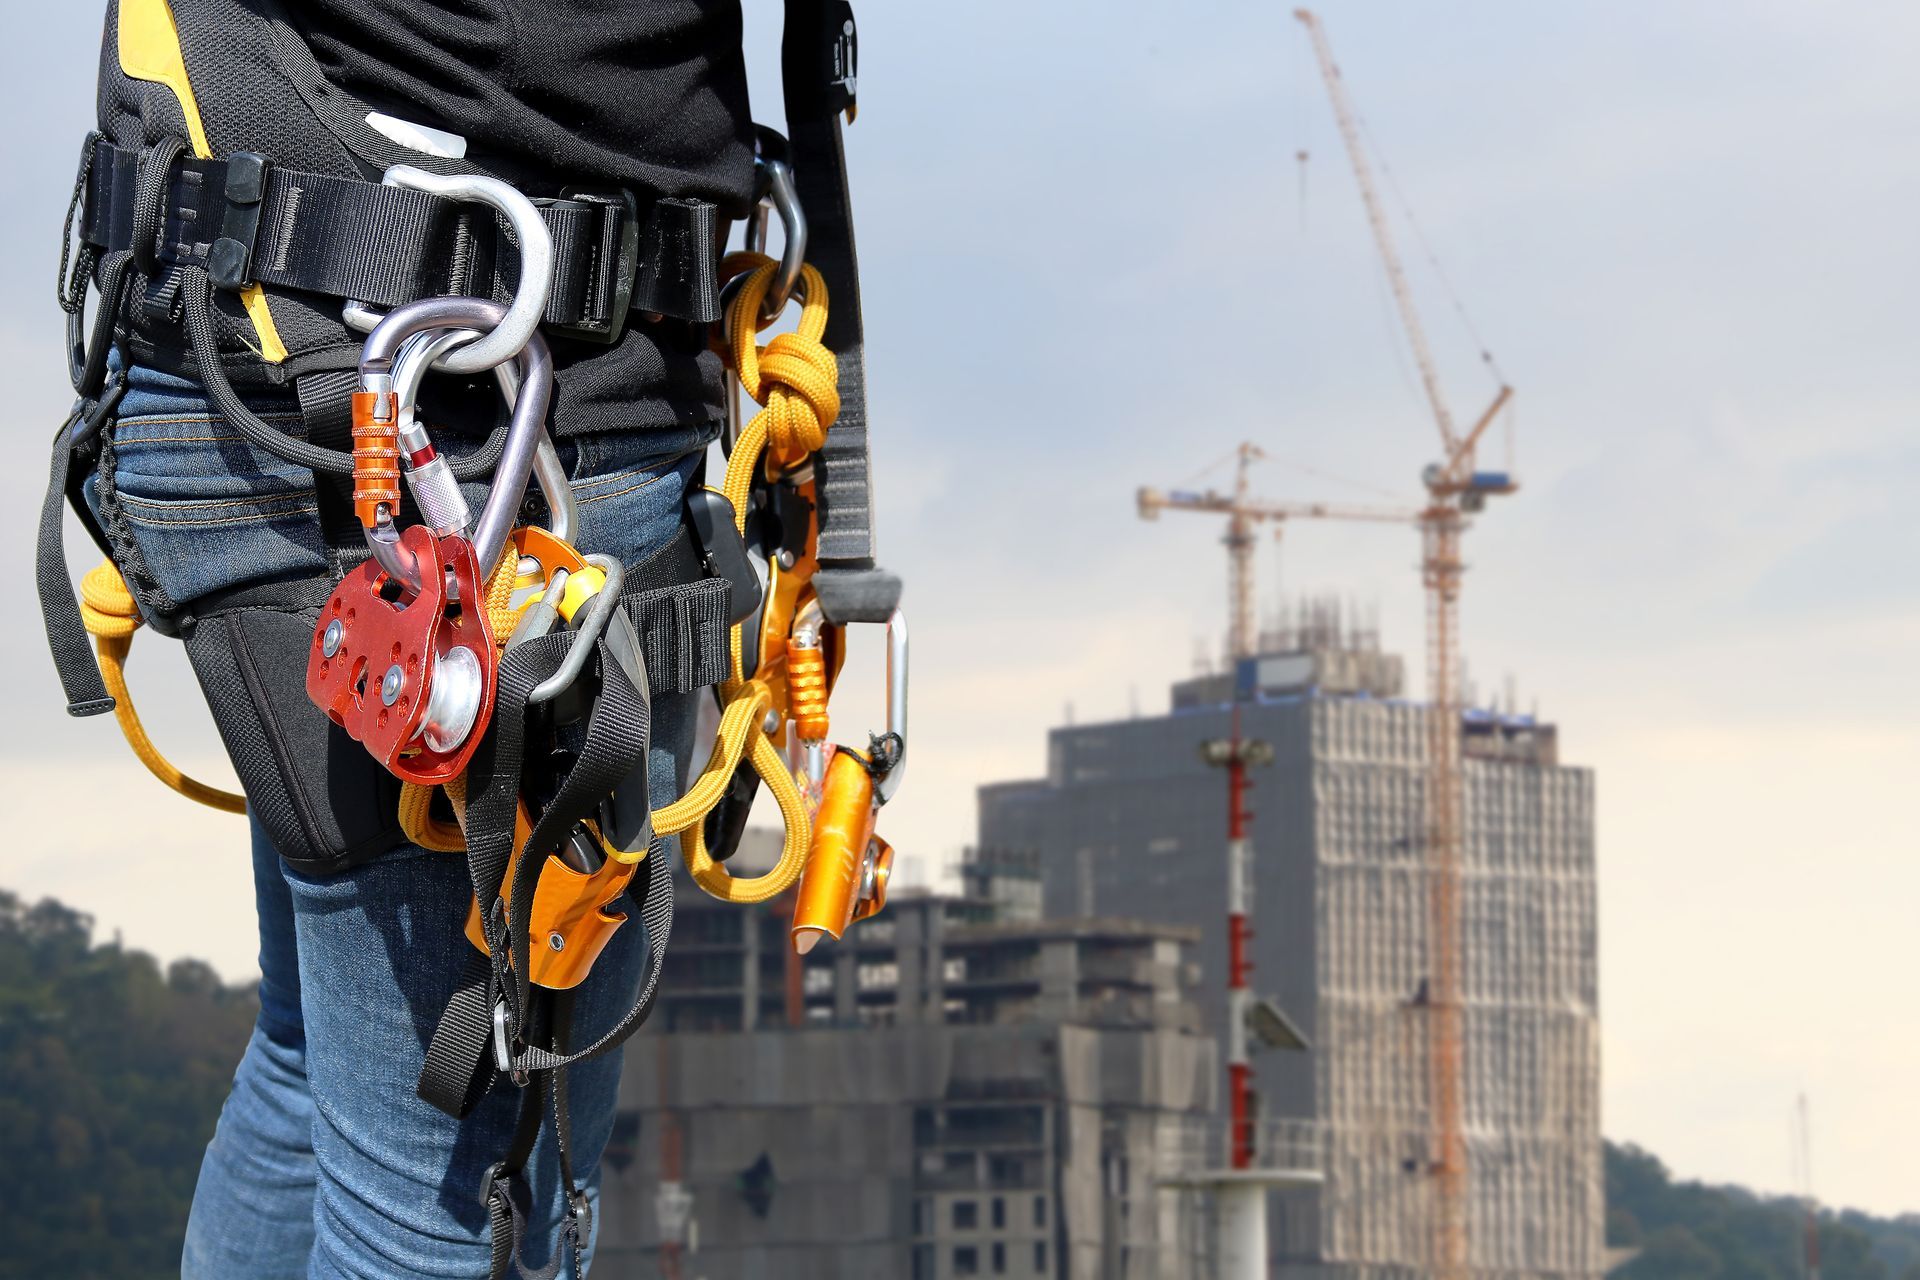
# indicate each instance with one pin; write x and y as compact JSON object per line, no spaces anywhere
{"x":1454,"y":488}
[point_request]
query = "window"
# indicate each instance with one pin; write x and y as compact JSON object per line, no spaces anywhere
{"x":1040,"y":1256}
{"x":923,"y":1262}
{"x":966,"y":1215}
{"x":1039,"y":1211}
{"x":999,"y":1259}
{"x":999,"y":1212}
{"x":966,"y":1260}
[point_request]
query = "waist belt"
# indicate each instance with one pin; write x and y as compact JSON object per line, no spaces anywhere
{"x":250,"y":221}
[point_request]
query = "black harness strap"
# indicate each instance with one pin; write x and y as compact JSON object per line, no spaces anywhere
{"x":819,"y":59}
{"x":614,"y":745}
{"x":248,"y":220}
{"x":66,"y":633}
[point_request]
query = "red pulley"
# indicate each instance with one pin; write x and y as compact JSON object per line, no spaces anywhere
{"x":409,"y":675}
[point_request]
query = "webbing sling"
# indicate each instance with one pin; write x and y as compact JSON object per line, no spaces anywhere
{"x":818,"y":65}
{"x":248,"y":220}
{"x":459,"y":1066}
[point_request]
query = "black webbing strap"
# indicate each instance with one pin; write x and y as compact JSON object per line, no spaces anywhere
{"x":459,"y":1066}
{"x":614,"y":745}
{"x":249,"y":221}
{"x":818,"y":65}
{"x":506,"y":1220}
{"x":504,"y":1187}
{"x":66,"y":634}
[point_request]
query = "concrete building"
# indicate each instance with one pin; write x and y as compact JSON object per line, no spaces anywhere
{"x":1129,"y":822}
{"x":963,"y":1095}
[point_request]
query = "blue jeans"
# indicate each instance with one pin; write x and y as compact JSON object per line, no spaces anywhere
{"x":324,"y":1163}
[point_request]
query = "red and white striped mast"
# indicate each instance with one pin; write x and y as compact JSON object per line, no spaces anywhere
{"x":1234,"y":753}
{"x":1239,"y":906}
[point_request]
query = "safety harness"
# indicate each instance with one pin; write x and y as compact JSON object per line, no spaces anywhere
{"x":497,"y":681}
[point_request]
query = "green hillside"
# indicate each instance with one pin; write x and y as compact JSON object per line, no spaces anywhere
{"x":1691,"y":1231}
{"x":114,"y":1073}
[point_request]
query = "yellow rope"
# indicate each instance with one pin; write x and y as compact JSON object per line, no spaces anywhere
{"x":110,"y":615}
{"x":740,"y":724}
{"x":795,"y":378}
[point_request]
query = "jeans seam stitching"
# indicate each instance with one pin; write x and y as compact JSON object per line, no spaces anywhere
{"x":634,"y":488}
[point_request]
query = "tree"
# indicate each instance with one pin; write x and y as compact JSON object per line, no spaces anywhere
{"x":115,"y":1074}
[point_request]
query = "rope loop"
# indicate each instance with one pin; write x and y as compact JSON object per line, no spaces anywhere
{"x":794,"y":375}
{"x":108,"y":610}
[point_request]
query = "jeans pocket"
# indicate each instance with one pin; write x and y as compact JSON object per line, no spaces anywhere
{"x":630,"y":491}
{"x":207,"y":510}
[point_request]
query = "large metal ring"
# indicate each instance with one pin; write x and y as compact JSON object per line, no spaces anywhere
{"x":529,"y":306}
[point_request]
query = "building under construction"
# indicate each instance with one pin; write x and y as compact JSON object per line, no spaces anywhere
{"x":956,"y":1089}
{"x":1129,"y":821}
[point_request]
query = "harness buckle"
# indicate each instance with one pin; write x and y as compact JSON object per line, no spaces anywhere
{"x":724,"y":550}
{"x":230,"y":259}
{"x":619,"y":271}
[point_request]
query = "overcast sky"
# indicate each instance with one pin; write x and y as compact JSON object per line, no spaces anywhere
{"x":1685,"y":230}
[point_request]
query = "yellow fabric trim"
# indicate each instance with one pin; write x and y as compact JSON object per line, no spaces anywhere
{"x":149,"y":48}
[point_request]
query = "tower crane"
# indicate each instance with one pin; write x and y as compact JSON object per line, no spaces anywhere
{"x":1243,"y":512}
{"x":1454,"y":490}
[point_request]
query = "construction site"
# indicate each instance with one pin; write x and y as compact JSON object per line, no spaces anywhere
{"x":1298,"y":978}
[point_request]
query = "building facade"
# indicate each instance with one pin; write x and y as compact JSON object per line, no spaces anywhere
{"x":946,"y":1093}
{"x":1130,"y":822}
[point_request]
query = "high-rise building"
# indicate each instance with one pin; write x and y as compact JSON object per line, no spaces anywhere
{"x":1130,"y":822}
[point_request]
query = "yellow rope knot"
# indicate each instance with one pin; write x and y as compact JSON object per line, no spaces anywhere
{"x":108,"y":610}
{"x":106,"y":606}
{"x":794,"y":375}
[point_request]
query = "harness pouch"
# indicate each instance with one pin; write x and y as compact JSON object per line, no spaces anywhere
{"x":323,"y":800}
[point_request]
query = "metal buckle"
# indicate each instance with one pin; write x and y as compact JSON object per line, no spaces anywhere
{"x":599,"y":611}
{"x":502,"y":1051}
{"x":624,"y":267}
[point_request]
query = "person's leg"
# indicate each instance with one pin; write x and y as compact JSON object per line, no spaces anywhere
{"x":390,"y":1185}
{"x":382,"y":947}
{"x":252,"y":1216}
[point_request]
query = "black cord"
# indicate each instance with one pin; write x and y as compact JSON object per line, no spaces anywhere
{"x":197,"y":290}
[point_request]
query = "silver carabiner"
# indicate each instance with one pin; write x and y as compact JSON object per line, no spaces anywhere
{"x":410,"y":366}
{"x":525,"y":431}
{"x":599,"y":610}
{"x":522,"y":318}
{"x":784,"y":197}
